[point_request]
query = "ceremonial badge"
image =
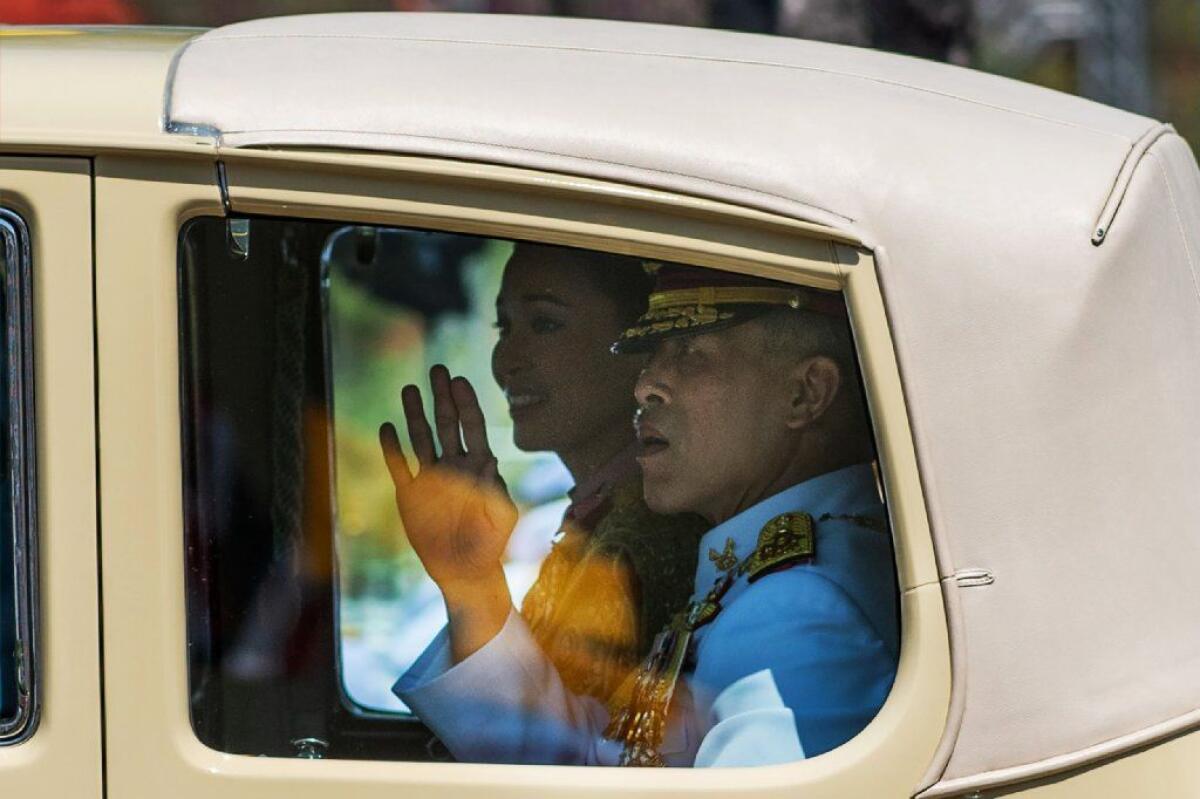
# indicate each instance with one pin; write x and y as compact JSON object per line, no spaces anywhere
{"x":726,"y":559}
{"x":641,"y":724}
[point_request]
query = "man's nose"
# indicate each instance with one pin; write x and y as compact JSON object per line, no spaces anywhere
{"x":651,"y":387}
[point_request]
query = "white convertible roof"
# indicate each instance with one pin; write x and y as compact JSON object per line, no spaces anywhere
{"x":1053,"y":384}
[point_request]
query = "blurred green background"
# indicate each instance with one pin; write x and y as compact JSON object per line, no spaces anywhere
{"x":397,"y":302}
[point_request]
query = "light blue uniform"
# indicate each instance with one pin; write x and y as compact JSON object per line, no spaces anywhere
{"x":795,"y":664}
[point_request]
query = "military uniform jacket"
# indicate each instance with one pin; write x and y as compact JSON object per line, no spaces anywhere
{"x":796,"y":663}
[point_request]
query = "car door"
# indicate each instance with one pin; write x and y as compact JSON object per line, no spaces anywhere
{"x":50,"y":732}
{"x":224,"y":526}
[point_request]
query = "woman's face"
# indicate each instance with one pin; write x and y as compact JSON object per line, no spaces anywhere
{"x":566,"y":392}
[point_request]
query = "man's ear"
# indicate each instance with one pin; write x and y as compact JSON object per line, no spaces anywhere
{"x":814,"y":383}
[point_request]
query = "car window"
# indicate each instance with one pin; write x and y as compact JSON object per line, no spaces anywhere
{"x":18,"y":698}
{"x":365,"y":407}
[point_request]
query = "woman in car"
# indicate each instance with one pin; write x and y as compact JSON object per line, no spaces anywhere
{"x":617,"y":571}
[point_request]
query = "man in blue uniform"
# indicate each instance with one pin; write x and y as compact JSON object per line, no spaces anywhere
{"x":750,"y":415}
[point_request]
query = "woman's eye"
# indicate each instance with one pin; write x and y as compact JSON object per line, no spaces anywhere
{"x":544,"y":324}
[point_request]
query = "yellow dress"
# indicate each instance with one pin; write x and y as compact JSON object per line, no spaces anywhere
{"x":614,"y":578}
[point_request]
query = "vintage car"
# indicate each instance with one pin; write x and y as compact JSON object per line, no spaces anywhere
{"x":211,"y":236}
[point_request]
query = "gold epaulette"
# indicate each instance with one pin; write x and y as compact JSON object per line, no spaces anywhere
{"x":785,"y":540}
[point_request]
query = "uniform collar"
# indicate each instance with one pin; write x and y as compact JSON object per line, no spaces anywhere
{"x":832,"y":492}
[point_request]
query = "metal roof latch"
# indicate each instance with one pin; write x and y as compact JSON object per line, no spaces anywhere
{"x":223,"y":188}
{"x":971,"y":578}
{"x":237,"y":237}
{"x":310,"y":748}
{"x":237,"y":231}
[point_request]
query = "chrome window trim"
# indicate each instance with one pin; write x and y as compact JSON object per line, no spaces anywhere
{"x":20,"y":439}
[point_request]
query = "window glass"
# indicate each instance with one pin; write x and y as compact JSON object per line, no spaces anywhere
{"x":8,"y":614}
{"x":18,"y":699}
{"x":450,"y":497}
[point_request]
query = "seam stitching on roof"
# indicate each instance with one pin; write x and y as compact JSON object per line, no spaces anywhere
{"x":1108,"y":198}
{"x":1088,"y":757}
{"x":1179,"y":220}
{"x":677,"y":56}
{"x":1123,"y":178}
{"x":554,"y":153}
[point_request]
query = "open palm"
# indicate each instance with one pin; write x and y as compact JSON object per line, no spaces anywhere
{"x":455,"y":508}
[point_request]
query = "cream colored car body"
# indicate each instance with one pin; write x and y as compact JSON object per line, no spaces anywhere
{"x":86,"y":162}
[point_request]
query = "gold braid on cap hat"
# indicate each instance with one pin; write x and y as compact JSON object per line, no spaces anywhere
{"x":728,"y":295}
{"x":680,"y":309}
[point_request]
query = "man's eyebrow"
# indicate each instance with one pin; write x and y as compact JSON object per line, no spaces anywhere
{"x":545,"y":296}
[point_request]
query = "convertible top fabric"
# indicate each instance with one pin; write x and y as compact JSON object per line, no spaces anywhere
{"x":1053,"y":384}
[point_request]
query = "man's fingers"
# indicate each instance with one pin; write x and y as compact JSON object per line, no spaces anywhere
{"x":474,"y":426}
{"x":393,"y":456}
{"x":418,"y":428}
{"x":445,"y":416}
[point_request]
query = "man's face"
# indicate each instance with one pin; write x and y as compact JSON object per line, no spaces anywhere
{"x":711,"y":422}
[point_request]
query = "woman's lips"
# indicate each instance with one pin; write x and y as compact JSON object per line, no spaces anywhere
{"x":521,"y":402}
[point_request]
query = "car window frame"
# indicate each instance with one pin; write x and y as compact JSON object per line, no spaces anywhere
{"x":19,"y":436}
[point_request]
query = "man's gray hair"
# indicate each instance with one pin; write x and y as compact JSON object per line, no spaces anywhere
{"x":791,"y":336}
{"x":797,"y":334}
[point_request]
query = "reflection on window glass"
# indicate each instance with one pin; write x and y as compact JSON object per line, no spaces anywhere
{"x":385,"y":331}
{"x":461,"y":498}
{"x":18,"y":698}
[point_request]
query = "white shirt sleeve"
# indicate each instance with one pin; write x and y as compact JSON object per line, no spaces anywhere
{"x":505,"y":704}
{"x":752,"y":726}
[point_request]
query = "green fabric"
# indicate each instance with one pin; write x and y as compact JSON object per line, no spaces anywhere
{"x":662,"y":552}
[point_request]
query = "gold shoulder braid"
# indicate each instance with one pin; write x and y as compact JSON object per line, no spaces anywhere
{"x":783,"y":540}
{"x":641,"y":723}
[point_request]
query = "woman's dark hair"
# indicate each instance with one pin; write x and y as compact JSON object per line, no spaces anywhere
{"x":622,"y":278}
